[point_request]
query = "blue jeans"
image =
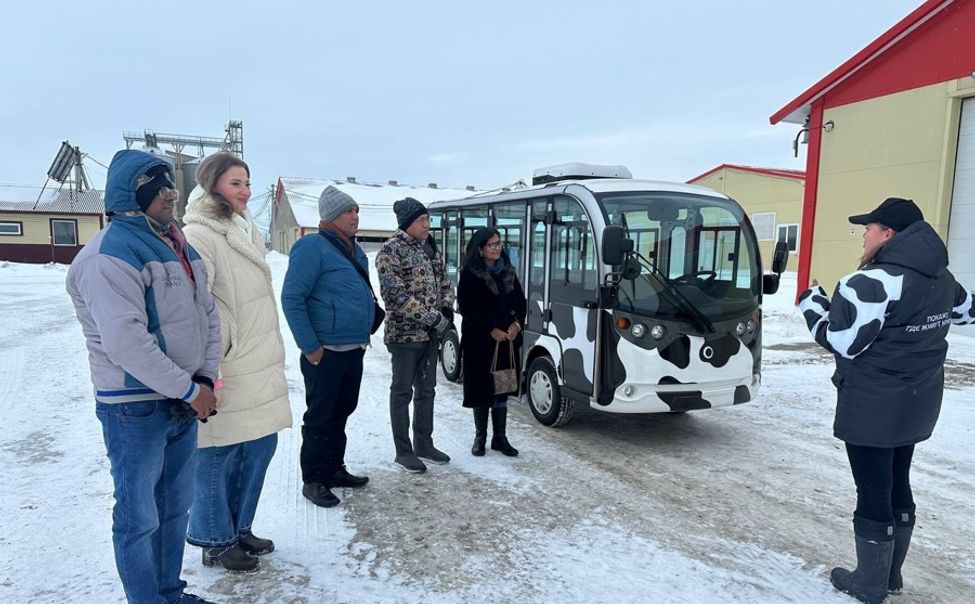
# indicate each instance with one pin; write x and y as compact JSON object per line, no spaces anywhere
{"x":151,"y":455}
{"x":228,"y":485}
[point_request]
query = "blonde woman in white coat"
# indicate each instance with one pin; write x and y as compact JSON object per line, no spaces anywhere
{"x":236,"y":445}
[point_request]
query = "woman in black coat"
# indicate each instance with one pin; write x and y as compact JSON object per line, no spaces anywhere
{"x":492,"y":303}
{"x":886,"y":325}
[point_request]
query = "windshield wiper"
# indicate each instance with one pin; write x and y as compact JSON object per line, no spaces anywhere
{"x":677,"y":298}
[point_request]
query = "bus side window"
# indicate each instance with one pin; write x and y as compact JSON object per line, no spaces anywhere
{"x":574,"y":274}
{"x":473,"y":219}
{"x":509,"y":219}
{"x":537,"y":264}
{"x":451,"y":253}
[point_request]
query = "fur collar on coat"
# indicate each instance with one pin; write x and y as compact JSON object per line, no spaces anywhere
{"x":507,"y":279}
{"x":203,"y":209}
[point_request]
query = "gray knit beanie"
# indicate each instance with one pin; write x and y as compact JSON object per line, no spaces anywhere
{"x":407,"y":210}
{"x":332,"y":202}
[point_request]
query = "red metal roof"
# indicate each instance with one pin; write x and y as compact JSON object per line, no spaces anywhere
{"x":783,"y":173}
{"x":797,"y":110}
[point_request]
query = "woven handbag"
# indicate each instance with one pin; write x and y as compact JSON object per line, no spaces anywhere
{"x":505,"y":380}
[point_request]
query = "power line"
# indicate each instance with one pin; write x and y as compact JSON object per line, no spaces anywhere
{"x":94,"y":160}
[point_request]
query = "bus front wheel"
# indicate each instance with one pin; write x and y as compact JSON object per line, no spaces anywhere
{"x":548,"y":405}
{"x":450,"y":357}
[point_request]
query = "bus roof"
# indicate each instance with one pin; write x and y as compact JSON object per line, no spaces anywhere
{"x":594,"y":185}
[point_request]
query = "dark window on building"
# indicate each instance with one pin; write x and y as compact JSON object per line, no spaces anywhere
{"x":790,"y":234}
{"x":64,"y":232}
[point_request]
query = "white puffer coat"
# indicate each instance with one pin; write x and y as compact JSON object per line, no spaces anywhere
{"x":254,"y":401}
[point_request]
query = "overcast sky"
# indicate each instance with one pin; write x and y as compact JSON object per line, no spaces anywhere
{"x":450,"y":92}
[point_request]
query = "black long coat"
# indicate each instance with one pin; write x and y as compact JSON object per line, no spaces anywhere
{"x":483,"y":308}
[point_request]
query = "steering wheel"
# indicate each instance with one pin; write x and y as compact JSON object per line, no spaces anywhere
{"x":688,"y":276}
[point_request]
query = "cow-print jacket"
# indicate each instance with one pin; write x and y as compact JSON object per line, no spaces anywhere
{"x":413,"y":286}
{"x":886,"y":325}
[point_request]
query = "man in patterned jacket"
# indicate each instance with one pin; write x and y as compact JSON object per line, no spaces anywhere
{"x":419,"y":305}
{"x":886,"y":324}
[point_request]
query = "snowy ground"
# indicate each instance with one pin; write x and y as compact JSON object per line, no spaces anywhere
{"x":747,"y":504}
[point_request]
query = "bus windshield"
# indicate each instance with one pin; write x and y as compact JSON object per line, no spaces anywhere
{"x":701,"y":245}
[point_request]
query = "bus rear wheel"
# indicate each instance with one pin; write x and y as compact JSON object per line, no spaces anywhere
{"x":545,"y":400}
{"x":450,"y":361}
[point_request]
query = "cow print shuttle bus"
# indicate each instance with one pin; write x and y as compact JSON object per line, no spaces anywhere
{"x":643,"y":296}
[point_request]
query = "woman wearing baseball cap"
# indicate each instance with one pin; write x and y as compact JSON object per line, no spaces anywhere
{"x":886,"y":325}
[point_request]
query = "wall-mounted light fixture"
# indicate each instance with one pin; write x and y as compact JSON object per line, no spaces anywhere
{"x":803,"y":135}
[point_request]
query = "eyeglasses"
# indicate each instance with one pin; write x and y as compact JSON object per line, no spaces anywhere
{"x":494,"y":245}
{"x":168,"y":193}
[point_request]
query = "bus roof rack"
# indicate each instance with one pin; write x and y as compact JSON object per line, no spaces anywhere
{"x":577,"y":171}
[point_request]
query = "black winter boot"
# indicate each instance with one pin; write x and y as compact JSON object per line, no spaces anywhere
{"x":875,"y":549}
{"x":499,"y":442}
{"x":903,"y":529}
{"x":254,"y":545}
{"x":480,"y":430}
{"x":232,"y":558}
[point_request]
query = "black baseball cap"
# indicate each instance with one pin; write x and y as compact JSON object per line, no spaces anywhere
{"x":895,"y":213}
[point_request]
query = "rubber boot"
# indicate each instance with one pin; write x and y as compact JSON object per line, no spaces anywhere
{"x":499,"y":442}
{"x":875,"y":549}
{"x":480,"y":430}
{"x":903,"y":530}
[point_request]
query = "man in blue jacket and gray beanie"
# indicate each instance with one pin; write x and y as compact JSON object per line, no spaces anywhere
{"x":153,"y":337}
{"x":329,"y":306}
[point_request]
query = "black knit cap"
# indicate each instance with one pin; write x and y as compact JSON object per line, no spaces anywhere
{"x":895,"y":213}
{"x":407,"y":210}
{"x":155,"y":178}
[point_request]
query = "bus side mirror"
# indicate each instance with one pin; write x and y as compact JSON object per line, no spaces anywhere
{"x":770,"y":283}
{"x":615,"y":246}
{"x":780,"y":257}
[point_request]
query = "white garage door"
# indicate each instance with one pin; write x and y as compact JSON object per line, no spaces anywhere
{"x":961,"y":228}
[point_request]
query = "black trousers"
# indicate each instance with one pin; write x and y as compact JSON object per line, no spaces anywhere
{"x":331,"y":395}
{"x":883,"y":480}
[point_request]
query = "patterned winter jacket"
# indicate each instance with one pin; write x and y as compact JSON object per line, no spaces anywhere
{"x":413,"y":286}
{"x":886,"y":325}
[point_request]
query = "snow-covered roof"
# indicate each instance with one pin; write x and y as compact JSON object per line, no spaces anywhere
{"x":17,"y":198}
{"x":375,"y":200}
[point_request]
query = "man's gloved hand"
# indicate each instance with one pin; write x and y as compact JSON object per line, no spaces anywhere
{"x":440,"y":325}
{"x":448,"y":312}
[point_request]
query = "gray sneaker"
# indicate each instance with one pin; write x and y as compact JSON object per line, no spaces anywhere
{"x":410,"y":463}
{"x":433,"y":455}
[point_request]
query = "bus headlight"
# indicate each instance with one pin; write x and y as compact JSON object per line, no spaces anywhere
{"x":638,"y":330}
{"x":750,"y":326}
{"x":657,"y":332}
{"x":740,"y":328}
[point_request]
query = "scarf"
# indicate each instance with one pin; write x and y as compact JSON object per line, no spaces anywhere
{"x":176,"y":241}
{"x":328,"y":226}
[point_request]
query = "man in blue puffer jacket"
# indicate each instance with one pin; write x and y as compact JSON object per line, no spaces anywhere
{"x":153,"y":337}
{"x":329,"y":307}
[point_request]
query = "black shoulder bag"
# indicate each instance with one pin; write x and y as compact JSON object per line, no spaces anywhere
{"x":379,"y":315}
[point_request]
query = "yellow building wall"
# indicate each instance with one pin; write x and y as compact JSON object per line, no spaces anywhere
{"x":900,"y":145}
{"x":761,"y":193}
{"x":37,"y":227}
